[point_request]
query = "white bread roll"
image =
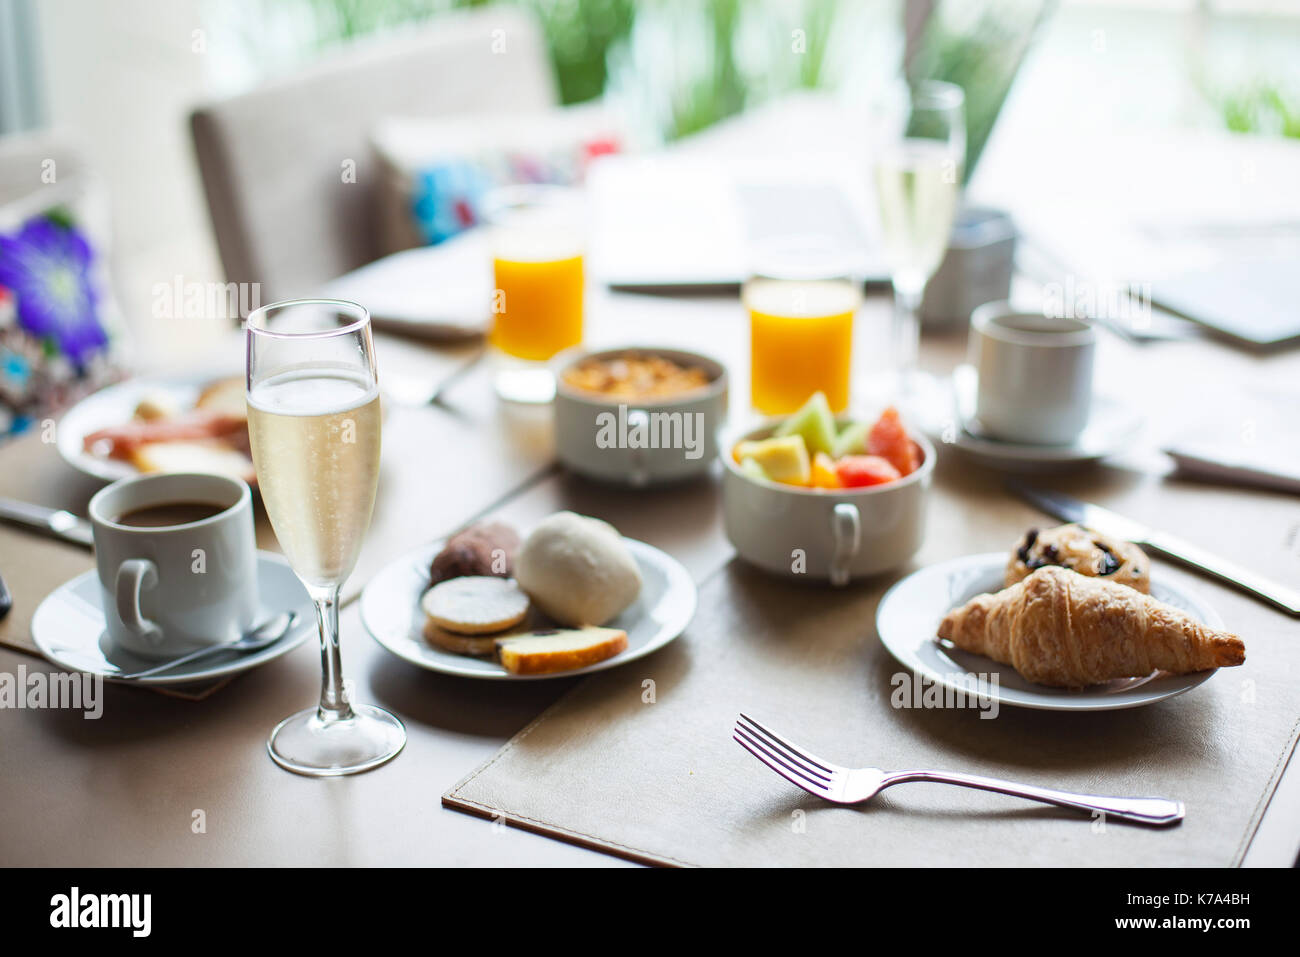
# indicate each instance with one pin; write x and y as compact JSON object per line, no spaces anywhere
{"x":577,"y":570}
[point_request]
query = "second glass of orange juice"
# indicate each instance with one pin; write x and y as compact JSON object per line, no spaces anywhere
{"x":801,"y":303}
{"x":537,"y":299}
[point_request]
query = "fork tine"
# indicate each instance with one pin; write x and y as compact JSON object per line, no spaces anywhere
{"x":809,"y":771}
{"x":793,"y":749}
{"x":756,"y":744}
{"x":789,"y":776}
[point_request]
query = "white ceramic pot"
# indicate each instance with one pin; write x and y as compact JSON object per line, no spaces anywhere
{"x":640,"y":443}
{"x":831,"y":535}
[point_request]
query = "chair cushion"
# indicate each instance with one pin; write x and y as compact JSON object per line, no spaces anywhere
{"x":434,"y":172}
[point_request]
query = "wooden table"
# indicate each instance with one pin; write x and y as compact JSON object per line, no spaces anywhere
{"x":125,"y":789}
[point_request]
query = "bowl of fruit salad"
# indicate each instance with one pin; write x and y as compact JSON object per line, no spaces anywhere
{"x":820,"y":497}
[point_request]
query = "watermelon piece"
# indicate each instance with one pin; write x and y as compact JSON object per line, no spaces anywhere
{"x":859,"y":471}
{"x":889,"y":440}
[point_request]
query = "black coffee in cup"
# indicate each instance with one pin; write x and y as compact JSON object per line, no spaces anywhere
{"x":169,"y":513}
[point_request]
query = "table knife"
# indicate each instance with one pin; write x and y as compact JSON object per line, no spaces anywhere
{"x":51,"y":521}
{"x":1109,"y":523}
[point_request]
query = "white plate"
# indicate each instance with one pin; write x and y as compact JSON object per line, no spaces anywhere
{"x":390,"y":610}
{"x":115,"y":405}
{"x":944,"y":410}
{"x":68,"y":628}
{"x":909,"y":617}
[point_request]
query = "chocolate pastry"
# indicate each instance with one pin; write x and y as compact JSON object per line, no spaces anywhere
{"x":486,"y":549}
{"x":1084,"y":551}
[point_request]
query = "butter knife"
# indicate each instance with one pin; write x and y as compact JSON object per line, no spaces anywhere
{"x":1109,"y":523}
{"x":51,"y":521}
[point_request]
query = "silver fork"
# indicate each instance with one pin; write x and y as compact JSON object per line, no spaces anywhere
{"x":856,"y":785}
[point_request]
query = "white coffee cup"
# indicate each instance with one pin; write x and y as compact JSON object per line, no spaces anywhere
{"x":1035,"y":374}
{"x":171,"y":589}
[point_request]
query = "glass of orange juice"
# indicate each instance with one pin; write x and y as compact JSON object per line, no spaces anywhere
{"x":801,"y":298}
{"x":537,"y":298}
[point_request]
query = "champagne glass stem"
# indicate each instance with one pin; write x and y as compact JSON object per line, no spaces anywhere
{"x":906,"y":336}
{"x":334,"y":704}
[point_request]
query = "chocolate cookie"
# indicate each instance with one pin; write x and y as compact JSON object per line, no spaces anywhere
{"x":486,"y":549}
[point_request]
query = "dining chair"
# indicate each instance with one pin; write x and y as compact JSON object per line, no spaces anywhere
{"x":287,"y":167}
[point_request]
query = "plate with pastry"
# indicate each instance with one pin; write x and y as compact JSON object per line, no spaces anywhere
{"x":1069,"y":621}
{"x":182,"y":423}
{"x":572,"y":596}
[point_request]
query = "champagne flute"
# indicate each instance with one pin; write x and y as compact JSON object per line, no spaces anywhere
{"x":314,"y":428}
{"x":920,"y":151}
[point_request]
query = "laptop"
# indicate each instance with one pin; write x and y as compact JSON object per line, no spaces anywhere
{"x":670,"y":222}
{"x":1252,"y":301}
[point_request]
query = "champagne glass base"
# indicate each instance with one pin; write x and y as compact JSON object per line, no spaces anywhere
{"x":524,"y":385}
{"x":305,"y":744}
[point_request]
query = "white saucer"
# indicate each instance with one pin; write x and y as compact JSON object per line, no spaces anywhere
{"x":909,"y":617}
{"x":390,"y":610}
{"x":68,"y":628}
{"x":944,"y":409}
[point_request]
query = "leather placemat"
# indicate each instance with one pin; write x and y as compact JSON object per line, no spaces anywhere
{"x":32,"y":567}
{"x":658,"y":779}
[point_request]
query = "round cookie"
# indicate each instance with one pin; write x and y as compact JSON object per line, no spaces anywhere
{"x":1084,"y":551}
{"x":577,"y":570}
{"x":476,"y":645}
{"x":475,"y":605}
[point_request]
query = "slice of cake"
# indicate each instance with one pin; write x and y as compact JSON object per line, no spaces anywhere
{"x":561,"y":649}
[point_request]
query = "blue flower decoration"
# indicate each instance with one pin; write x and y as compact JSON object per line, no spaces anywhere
{"x":47,"y":266}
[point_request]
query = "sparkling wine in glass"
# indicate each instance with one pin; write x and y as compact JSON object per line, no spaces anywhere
{"x":314,"y":426}
{"x":919,"y":154}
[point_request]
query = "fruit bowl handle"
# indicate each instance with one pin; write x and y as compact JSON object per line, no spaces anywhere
{"x":846,"y":531}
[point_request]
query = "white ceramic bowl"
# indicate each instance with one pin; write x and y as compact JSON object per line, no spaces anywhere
{"x":833,"y":535}
{"x":640,"y":443}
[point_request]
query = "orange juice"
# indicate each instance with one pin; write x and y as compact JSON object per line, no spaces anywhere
{"x":537,"y":306}
{"x":800,"y":340}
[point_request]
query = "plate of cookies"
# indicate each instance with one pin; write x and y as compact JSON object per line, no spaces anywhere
{"x":1069,"y":620}
{"x":571,"y":597}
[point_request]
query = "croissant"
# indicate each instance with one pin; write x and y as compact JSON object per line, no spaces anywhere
{"x":1060,"y":628}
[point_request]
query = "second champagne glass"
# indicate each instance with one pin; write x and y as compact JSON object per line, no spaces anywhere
{"x":314,"y":428}
{"x":920,"y":152}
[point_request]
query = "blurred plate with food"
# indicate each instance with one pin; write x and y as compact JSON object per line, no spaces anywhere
{"x":182,"y":423}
